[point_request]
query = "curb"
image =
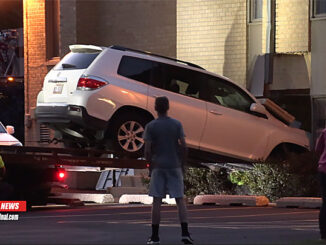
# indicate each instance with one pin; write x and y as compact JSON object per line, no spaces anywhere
{"x":142,"y":198}
{"x":299,"y":202}
{"x":225,"y":200}
{"x":231,"y":200}
{"x":89,"y":197}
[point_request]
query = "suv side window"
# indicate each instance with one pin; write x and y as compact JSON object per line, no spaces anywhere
{"x":175,"y":79}
{"x":226,"y":94}
{"x":135,"y":68}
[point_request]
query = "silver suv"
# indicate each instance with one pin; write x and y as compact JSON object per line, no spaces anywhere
{"x":104,"y":97}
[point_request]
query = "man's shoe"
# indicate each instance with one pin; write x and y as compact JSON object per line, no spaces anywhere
{"x":187,"y":239}
{"x":153,"y":240}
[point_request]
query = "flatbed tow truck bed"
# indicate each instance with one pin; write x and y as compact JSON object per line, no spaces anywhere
{"x":33,"y":171}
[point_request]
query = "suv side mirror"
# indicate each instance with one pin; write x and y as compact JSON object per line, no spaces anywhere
{"x":258,"y":108}
{"x":10,"y":129}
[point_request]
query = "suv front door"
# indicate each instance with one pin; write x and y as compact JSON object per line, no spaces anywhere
{"x":231,"y":129}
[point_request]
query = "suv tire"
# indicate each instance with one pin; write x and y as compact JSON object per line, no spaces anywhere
{"x":127,"y":131}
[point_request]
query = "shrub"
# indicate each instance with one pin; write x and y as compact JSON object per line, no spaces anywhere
{"x":275,"y":180}
{"x":295,"y":177}
{"x":206,"y":181}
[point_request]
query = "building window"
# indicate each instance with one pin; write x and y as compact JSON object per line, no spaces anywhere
{"x":52,"y":28}
{"x":319,"y":8}
{"x":256,"y":7}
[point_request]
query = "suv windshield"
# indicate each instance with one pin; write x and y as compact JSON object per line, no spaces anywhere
{"x":2,"y":129}
{"x":76,"y":61}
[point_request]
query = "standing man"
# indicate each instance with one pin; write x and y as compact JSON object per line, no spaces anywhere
{"x":165,"y":149}
{"x":321,"y":151}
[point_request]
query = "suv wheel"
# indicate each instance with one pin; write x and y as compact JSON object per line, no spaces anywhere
{"x":128,"y":130}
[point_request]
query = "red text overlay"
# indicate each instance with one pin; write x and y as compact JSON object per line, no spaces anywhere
{"x":12,"y":206}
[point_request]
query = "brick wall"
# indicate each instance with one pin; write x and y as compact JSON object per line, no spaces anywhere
{"x":143,"y":24}
{"x":292,"y":26}
{"x":213,"y":34}
{"x":34,"y":62}
{"x":292,"y":65}
{"x":67,"y":26}
{"x":265,"y":22}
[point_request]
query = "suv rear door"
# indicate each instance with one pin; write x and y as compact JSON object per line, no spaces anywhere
{"x":181,"y":86}
{"x":62,"y":80}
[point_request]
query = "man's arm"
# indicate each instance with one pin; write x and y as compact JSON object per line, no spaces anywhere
{"x":148,"y":155}
{"x":184,"y":153}
{"x":148,"y":150}
{"x":182,"y":147}
{"x":148,"y":147}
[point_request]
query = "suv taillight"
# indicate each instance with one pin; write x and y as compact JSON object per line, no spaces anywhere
{"x":88,"y":83}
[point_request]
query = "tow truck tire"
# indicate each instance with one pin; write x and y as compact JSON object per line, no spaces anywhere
{"x":37,"y":197}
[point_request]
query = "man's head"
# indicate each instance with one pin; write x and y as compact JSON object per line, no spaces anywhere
{"x":162,"y":105}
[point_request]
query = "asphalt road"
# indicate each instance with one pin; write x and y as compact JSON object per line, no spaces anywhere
{"x":130,"y":224}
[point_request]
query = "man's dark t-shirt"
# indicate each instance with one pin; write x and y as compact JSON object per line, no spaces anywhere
{"x":164,"y":134}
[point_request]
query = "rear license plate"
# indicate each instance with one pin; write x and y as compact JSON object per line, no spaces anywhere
{"x":58,"y":89}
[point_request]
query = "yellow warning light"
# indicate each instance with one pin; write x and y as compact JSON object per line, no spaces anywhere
{"x":10,"y":79}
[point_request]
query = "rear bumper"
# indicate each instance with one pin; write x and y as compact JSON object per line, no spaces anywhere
{"x":69,"y":114}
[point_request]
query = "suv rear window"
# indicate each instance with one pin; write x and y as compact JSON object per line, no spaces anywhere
{"x":76,"y":61}
{"x":135,"y":68}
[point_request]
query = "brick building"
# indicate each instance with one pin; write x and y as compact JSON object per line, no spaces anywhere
{"x":275,"y":48}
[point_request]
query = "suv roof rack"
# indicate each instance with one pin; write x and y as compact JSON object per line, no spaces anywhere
{"x":156,"y":55}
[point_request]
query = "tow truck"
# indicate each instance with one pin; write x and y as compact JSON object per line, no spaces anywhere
{"x":33,"y":171}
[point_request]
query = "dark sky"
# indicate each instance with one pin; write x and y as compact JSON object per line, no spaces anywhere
{"x":11,"y":14}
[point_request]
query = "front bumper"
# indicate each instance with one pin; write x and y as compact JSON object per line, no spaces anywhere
{"x":70,"y":114}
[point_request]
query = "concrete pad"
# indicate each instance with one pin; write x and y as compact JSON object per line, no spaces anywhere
{"x":132,"y":181}
{"x":144,"y":199}
{"x":231,"y":200}
{"x":90,"y":197}
{"x":299,"y":202}
{"x":141,"y":172}
{"x":57,"y":190}
{"x":67,"y":201}
{"x":119,"y":191}
{"x":82,"y":180}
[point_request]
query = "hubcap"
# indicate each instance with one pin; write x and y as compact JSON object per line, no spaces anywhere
{"x":130,"y":136}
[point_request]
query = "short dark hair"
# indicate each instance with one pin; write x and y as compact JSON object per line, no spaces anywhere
{"x":162,"y":104}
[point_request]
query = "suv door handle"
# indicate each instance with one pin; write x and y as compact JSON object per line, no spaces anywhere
{"x":215,"y":113}
{"x":155,"y":96}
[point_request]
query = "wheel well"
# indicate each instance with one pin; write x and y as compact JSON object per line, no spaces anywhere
{"x":128,"y":109}
{"x":284,"y":148}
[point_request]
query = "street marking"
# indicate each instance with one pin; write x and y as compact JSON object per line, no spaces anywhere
{"x":253,"y":215}
{"x":114,"y":208}
{"x":301,"y":227}
{"x":173,"y":211}
{"x":107,"y":221}
{"x":313,"y":226}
